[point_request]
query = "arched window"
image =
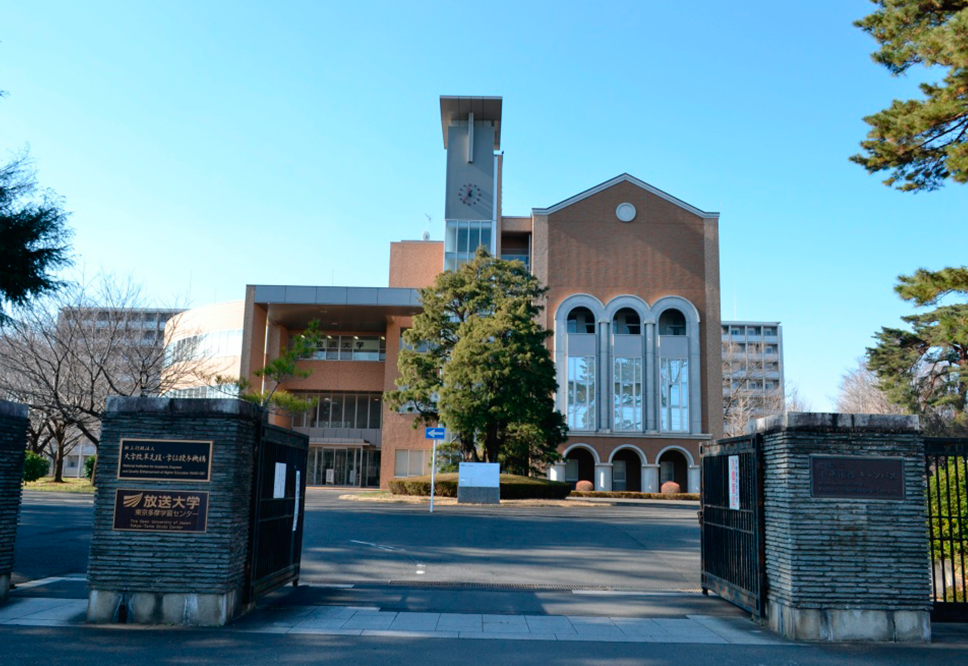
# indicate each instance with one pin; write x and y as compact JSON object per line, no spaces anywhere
{"x":627,"y":322}
{"x":672,"y":322}
{"x":581,"y":320}
{"x":673,"y":374}
{"x":627,"y":371}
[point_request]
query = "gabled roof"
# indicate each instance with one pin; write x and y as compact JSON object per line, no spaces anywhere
{"x":623,"y":179}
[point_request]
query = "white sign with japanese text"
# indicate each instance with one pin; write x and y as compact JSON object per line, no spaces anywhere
{"x":279,"y":485}
{"x":734,"y":483}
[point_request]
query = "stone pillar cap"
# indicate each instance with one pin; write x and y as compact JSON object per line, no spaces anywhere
{"x":14,"y":409}
{"x":829,"y":421}
{"x":184,"y":406}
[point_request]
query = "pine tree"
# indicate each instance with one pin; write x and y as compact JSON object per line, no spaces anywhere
{"x":921,"y":142}
{"x":33,"y":236}
{"x":475,"y":360}
{"x":925,"y":369}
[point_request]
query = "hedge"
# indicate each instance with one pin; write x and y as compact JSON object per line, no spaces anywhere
{"x":628,"y":494}
{"x":512,"y":487}
{"x":35,"y":466}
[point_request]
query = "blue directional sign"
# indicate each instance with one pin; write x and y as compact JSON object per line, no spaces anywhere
{"x":434,"y":433}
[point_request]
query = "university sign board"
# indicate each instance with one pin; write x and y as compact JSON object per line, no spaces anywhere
{"x":165,"y":460}
{"x":857,"y":477}
{"x":160,"y":511}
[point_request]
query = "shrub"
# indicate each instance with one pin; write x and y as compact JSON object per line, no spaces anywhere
{"x":89,"y":467}
{"x":512,"y":487}
{"x":585,"y":486}
{"x":35,"y":466}
{"x":670,"y":488}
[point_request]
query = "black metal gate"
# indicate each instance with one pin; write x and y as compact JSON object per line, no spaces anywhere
{"x":947,"y":471}
{"x":278,"y":507}
{"x":733,"y":547}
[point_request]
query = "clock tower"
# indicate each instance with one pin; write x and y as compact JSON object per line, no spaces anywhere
{"x":472,"y":132}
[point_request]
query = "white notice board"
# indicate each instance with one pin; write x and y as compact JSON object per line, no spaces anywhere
{"x":479,"y":475}
{"x":279,"y":485}
{"x":734,"y":483}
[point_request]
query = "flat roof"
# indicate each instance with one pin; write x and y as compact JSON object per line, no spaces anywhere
{"x":336,"y":308}
{"x":454,"y":108}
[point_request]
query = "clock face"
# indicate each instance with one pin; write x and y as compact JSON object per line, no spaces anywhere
{"x":469,"y":194}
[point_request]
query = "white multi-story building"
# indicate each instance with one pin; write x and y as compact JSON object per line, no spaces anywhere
{"x":753,"y":382}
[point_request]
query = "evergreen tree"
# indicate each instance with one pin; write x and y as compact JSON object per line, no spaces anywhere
{"x":925,"y":369}
{"x":33,"y":236}
{"x":921,"y":141}
{"x":475,"y":360}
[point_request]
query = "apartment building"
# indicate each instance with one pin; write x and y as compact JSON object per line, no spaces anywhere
{"x":753,"y":381}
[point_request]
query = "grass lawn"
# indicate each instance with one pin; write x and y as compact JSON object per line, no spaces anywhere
{"x":68,"y":486}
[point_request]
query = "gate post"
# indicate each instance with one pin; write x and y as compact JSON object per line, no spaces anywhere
{"x":13,"y":444}
{"x":846,"y":527}
{"x":172,"y":511}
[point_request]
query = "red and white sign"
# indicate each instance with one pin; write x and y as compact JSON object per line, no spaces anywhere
{"x":734,"y":482}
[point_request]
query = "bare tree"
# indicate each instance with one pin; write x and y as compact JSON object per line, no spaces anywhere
{"x":859,"y":393}
{"x":749,"y":389}
{"x":64,"y":355}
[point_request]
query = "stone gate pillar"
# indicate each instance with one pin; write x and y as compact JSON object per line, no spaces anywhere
{"x":172,"y":511}
{"x":13,"y":444}
{"x":846,"y":527}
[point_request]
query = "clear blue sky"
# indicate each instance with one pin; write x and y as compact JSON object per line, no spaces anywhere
{"x":210,"y":145}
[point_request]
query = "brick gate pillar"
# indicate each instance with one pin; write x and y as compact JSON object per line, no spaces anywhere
{"x":13,"y":444}
{"x":172,"y":511}
{"x":846,"y":527}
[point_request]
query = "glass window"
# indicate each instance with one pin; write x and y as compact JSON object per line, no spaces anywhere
{"x":571,"y":470}
{"x":362,"y":407}
{"x":486,"y":237}
{"x":627,"y":322}
{"x":418,"y":464}
{"x":581,"y":392}
{"x":325,"y":405}
{"x":672,"y":322}
{"x":627,"y":393}
{"x":462,"y":238}
{"x":376,"y":407}
{"x":674,"y":395}
{"x":581,"y":320}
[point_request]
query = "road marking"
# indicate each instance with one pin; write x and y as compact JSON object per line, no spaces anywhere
{"x":619,"y":593}
{"x":375,"y":545}
{"x":39,"y":582}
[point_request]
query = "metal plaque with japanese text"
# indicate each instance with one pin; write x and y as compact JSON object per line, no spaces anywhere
{"x":160,"y":511}
{"x":846,"y":477}
{"x":165,"y":460}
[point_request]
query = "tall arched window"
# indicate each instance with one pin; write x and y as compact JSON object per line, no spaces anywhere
{"x":627,"y":371}
{"x":581,"y":370}
{"x":673,"y":373}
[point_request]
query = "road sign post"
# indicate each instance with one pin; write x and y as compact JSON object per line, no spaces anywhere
{"x":435,"y":434}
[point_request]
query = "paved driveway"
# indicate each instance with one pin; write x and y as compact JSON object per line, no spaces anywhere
{"x":647,"y":546}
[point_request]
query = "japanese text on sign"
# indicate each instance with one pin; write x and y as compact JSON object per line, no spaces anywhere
{"x":160,"y":511}
{"x":165,"y":460}
{"x":734,"y":483}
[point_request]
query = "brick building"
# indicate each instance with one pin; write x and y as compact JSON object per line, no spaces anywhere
{"x":633,"y":278}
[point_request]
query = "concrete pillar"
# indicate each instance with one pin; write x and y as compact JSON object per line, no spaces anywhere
{"x":13,"y":443}
{"x":650,"y":478}
{"x":693,"y":480}
{"x":603,"y":476}
{"x":556,"y":472}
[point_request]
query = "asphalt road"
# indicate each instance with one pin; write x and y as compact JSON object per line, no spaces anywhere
{"x":652,"y":548}
{"x":53,"y":535}
{"x":649,"y":547}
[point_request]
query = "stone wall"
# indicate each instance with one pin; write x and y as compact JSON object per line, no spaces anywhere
{"x":175,"y":577}
{"x":13,"y":443}
{"x":844,"y":569}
